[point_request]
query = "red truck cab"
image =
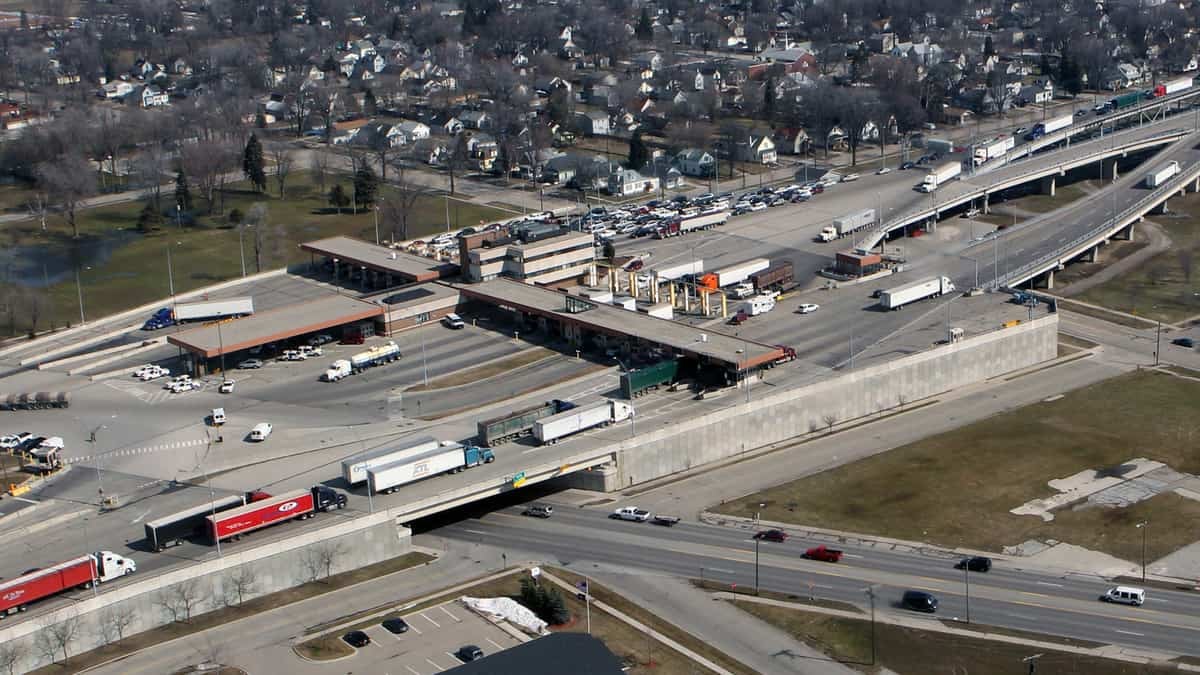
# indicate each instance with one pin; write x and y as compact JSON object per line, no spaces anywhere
{"x":823,"y":554}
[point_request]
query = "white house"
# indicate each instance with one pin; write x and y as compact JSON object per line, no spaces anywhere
{"x":695,"y":162}
{"x":593,"y":122}
{"x":759,"y":149}
{"x":627,"y":182}
{"x":116,"y":89}
{"x":152,"y":97}
{"x":411,"y":131}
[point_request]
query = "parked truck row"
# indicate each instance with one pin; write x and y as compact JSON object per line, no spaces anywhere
{"x":450,"y":458}
{"x":734,"y":274}
{"x":554,"y":428}
{"x":518,"y":423}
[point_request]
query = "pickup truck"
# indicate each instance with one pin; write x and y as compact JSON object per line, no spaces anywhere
{"x":823,"y":554}
{"x":631,"y":513}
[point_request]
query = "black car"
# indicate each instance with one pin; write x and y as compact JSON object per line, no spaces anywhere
{"x":771,"y":535}
{"x":356,"y":638}
{"x":919,"y":601}
{"x":975,"y":563}
{"x":1184,"y":342}
{"x":469,"y":653}
{"x":395,"y":625}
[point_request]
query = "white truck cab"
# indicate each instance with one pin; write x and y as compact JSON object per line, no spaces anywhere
{"x":111,"y":566}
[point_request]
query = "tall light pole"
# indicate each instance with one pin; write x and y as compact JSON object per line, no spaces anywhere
{"x":242,"y":248}
{"x":1157,"y":342}
{"x":1143,"y":526}
{"x":376,"y":213}
{"x":756,"y":540}
{"x":967,"y":584}
{"x":79,"y":293}
{"x":870,"y":591}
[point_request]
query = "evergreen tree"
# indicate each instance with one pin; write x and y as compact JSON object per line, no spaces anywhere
{"x":644,"y":30}
{"x":769,"y":98}
{"x":338,"y":198}
{"x":260,"y":120}
{"x":149,"y":219}
{"x":1069,"y":75}
{"x":252,"y":164}
{"x":183,"y":193}
{"x":370,"y":106}
{"x":1044,"y":66}
{"x":235,"y":216}
{"x":555,"y":611}
{"x":365,"y":186}
{"x":989,"y":49}
{"x":609,"y":252}
{"x":638,"y":154}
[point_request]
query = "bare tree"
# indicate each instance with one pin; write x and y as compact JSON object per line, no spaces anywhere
{"x":829,"y":419}
{"x":180,"y":600}
{"x":283,"y":166}
{"x":310,"y":565}
{"x":319,"y":166}
{"x":115,"y":620}
{"x":243,"y":582}
{"x":57,"y":637}
{"x":39,"y":206}
{"x":209,"y":165}
{"x":257,"y":217}
{"x":401,"y":202}
{"x":211,"y":653}
{"x":1185,"y":264}
{"x":328,"y":554}
{"x":68,"y":181}
{"x":11,"y":654}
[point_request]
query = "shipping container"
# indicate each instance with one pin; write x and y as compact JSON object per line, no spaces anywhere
{"x":895,"y":298}
{"x":354,"y":470}
{"x":1159,"y":177}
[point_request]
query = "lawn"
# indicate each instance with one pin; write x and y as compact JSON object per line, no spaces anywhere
{"x":944,"y":488}
{"x":123,"y":268}
{"x":1166,"y":287}
{"x":911,"y":651}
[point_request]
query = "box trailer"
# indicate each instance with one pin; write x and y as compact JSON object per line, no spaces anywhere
{"x":940,"y":145}
{"x":354,"y":470}
{"x":778,"y":276}
{"x":297,"y":504}
{"x":895,"y":298}
{"x":993,"y":149}
{"x":42,"y":400}
{"x":94,"y":568}
{"x":939,"y":175}
{"x":703,"y":222}
{"x":694,"y":268}
{"x":556,"y":427}
{"x":1124,"y":101}
{"x":213,"y":309}
{"x":1050,"y":126}
{"x":734,"y":274}
{"x":634,"y":383}
{"x":1173,"y":87}
{"x":1160,"y":176}
{"x":517,"y":423}
{"x":853,"y":222}
{"x":171,"y":530}
{"x":449,"y":459}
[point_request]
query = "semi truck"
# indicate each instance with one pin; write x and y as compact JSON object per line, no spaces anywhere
{"x":941,"y":145}
{"x":939,"y":175}
{"x":1159,"y":177}
{"x":1050,"y":126}
{"x":994,"y":148}
{"x":516,"y":424}
{"x":556,"y":427}
{"x":1173,"y":87}
{"x":213,"y":309}
{"x":895,"y":298}
{"x":694,"y":268}
{"x":634,"y":383}
{"x":777,"y":277}
{"x":94,"y":568}
{"x":354,"y":470}
{"x":377,"y":355}
{"x":42,"y":400}
{"x":847,"y":224}
{"x":297,"y":504}
{"x":734,"y":274}
{"x":450,"y":459}
{"x":171,"y":530}
{"x":1124,"y":101}
{"x":680,"y":226}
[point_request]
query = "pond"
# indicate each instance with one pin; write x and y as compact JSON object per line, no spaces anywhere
{"x":46,"y":264}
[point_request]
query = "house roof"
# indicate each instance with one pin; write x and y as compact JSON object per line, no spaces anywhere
{"x":554,"y":654}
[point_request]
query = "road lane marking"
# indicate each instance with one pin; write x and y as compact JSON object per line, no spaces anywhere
{"x":412,"y":671}
{"x":851,"y":555}
{"x":1129,"y":632}
{"x":717,"y":569}
{"x":474,"y":531}
{"x":414,"y":629}
{"x":1047,"y":583}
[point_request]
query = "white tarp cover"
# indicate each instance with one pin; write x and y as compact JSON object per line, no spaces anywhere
{"x":508,"y":609}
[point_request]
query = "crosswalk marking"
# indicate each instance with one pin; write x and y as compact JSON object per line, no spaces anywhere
{"x":175,"y":445}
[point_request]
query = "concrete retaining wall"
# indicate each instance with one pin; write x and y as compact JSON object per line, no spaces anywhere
{"x":856,"y":394}
{"x":273,"y":567}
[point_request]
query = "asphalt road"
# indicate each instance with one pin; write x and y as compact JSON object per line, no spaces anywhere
{"x":1027,"y":600}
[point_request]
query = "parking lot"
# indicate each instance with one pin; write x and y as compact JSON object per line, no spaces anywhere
{"x":429,"y":645}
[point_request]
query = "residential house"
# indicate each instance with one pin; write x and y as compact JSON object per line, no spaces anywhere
{"x":432,"y":151}
{"x":475,"y":119}
{"x":180,"y":67}
{"x":483,"y":150}
{"x":792,"y":141}
{"x":152,"y":97}
{"x":757,"y":148}
{"x":116,"y":89}
{"x":626,"y":182}
{"x":1036,"y":94}
{"x":344,"y":132}
{"x":559,"y":170}
{"x":410,"y":131}
{"x":445,"y":123}
{"x":652,"y":61}
{"x":881,"y":43}
{"x":593,"y":122}
{"x":696,"y":162}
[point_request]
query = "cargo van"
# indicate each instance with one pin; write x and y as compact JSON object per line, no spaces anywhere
{"x":1126,"y":595}
{"x":261,"y":431}
{"x":218,"y":416}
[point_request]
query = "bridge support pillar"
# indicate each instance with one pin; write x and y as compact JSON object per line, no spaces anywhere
{"x":1196,"y":185}
{"x":1045,"y":281}
{"x":985,"y":208}
{"x":1108,"y":169}
{"x":1161,"y":208}
{"x":1091,"y":255}
{"x":1124,"y":234}
{"x":1047,"y":185}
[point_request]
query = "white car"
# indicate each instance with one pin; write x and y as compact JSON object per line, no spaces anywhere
{"x":226,"y":387}
{"x":758,"y":206}
{"x":631,"y":513}
{"x":180,"y":380}
{"x":850,"y":178}
{"x":142,"y":370}
{"x":808,"y":308}
{"x":154,"y":373}
{"x":185,"y":385}
{"x":883,"y":170}
{"x":13,"y":440}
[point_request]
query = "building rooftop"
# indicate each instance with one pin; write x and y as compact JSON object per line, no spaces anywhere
{"x":381,"y":258}
{"x":313,"y":315}
{"x":554,"y":654}
{"x":726,"y":349}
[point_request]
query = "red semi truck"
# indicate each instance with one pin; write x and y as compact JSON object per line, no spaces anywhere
{"x":81,"y":572}
{"x":297,"y":504}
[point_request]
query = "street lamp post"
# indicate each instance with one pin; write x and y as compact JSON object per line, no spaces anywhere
{"x":1143,"y":526}
{"x":1157,"y":342}
{"x":870,"y":591}
{"x":756,"y":566}
{"x":242,"y":248}
{"x":376,"y":213}
{"x":967,"y":584}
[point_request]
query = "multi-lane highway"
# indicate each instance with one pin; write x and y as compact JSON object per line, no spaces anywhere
{"x":1009,"y":597}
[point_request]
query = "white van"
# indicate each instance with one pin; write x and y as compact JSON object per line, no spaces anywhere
{"x":261,"y":431}
{"x":1126,"y":595}
{"x":218,"y":416}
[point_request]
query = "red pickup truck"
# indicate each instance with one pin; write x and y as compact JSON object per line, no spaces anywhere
{"x":823,"y":554}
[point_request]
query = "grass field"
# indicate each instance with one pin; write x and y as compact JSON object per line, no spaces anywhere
{"x":135,"y":270}
{"x":941,"y":489}
{"x":910,"y":651}
{"x":1166,"y":287}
